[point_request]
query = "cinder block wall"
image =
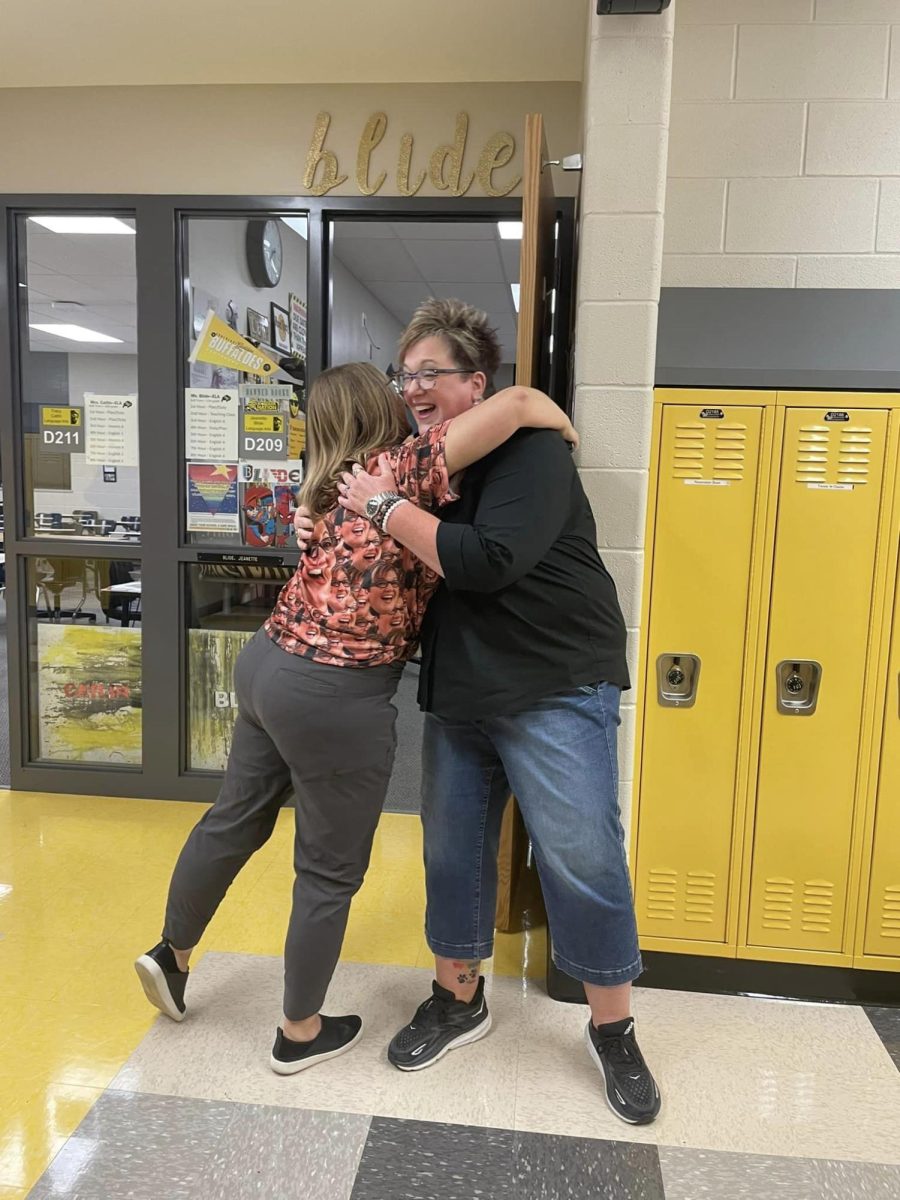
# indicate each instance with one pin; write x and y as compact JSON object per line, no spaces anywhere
{"x":785,"y":145}
{"x":626,"y":115}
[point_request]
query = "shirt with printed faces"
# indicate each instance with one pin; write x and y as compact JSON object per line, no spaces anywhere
{"x":358,"y":598}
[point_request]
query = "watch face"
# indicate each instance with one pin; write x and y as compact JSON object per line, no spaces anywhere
{"x":272,"y":251}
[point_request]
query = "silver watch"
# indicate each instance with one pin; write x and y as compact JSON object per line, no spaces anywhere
{"x":375,"y":503}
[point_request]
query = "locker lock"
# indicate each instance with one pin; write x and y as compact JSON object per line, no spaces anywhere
{"x":677,"y":676}
{"x":798,"y":687}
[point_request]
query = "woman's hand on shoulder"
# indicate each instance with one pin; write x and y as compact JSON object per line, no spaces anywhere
{"x":303,"y":528}
{"x":358,"y":488}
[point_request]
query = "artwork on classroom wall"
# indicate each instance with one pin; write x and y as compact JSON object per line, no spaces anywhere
{"x":281,"y":328}
{"x":89,"y":693}
{"x":257,"y":326}
{"x":298,"y":325}
{"x":212,"y":706}
{"x":212,"y":498}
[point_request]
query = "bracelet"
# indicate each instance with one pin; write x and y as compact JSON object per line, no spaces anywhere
{"x":390,"y":510}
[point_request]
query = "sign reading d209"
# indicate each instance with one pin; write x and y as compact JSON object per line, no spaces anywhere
{"x":62,"y":430}
{"x":264,"y":422}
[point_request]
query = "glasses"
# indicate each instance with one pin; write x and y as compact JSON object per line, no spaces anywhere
{"x":426,"y":378}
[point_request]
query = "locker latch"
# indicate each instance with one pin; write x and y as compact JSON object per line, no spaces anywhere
{"x":798,"y":687}
{"x":677,"y":676}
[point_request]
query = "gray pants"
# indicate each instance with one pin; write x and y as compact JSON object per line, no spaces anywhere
{"x":327,"y":734}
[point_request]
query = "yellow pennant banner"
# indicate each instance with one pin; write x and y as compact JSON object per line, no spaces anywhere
{"x":220,"y":345}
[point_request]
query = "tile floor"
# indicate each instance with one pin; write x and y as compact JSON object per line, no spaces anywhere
{"x":98,"y":1099}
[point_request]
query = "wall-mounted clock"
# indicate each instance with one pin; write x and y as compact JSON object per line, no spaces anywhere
{"x":265,"y":256}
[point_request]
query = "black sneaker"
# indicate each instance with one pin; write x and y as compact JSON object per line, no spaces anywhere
{"x":337,"y":1035}
{"x":441,"y":1023}
{"x":161,"y":980}
{"x":631,"y":1090}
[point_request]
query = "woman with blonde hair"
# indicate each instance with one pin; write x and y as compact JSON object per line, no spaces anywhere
{"x":314,"y":689}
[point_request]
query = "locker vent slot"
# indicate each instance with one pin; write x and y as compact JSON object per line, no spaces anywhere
{"x":828,"y":454}
{"x":890,"y":912}
{"x":818,"y":906}
{"x":699,"y":898}
{"x":661,"y":888}
{"x":778,"y":905}
{"x":717,"y":455}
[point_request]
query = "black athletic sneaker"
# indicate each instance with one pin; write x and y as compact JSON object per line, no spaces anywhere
{"x":162,"y":982}
{"x":631,"y":1090}
{"x":441,"y":1023}
{"x":337,"y":1035}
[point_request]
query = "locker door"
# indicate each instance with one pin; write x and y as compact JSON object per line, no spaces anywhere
{"x":708,"y":469}
{"x":822,"y":585}
{"x":882,"y":935}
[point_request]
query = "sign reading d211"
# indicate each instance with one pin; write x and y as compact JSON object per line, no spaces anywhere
{"x":264,"y":422}
{"x":62,"y":430}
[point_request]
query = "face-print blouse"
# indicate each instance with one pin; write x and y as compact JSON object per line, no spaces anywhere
{"x":357,"y":598}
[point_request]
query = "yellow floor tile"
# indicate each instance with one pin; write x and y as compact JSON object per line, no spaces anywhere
{"x":83,"y":883}
{"x":33,"y":1131}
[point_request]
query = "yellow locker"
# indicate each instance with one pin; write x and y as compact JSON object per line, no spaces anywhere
{"x":882,"y":933}
{"x":707,"y":470}
{"x":823,"y":582}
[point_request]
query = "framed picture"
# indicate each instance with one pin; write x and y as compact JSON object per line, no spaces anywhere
{"x":257,"y":326}
{"x":298,"y":325}
{"x":281,"y":329}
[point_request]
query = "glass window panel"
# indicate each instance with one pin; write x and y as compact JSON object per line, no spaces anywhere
{"x":78,"y":354}
{"x":246,"y":277}
{"x":226,"y":604}
{"x":84,"y":647}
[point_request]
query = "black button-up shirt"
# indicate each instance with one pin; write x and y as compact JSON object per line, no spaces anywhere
{"x":527,"y":608}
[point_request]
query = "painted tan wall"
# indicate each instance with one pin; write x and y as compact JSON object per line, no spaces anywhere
{"x":255,"y":139}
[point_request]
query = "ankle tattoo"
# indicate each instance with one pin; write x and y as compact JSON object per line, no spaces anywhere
{"x":467,"y":971}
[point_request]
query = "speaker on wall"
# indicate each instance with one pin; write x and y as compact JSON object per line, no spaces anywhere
{"x":631,"y":8}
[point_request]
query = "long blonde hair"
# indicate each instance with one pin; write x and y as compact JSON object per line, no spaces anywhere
{"x":352,"y":413}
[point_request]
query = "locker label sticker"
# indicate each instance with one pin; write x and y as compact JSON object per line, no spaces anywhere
{"x":830,"y":487}
{"x":707,"y":482}
{"x":712,"y":414}
{"x":837,"y":416}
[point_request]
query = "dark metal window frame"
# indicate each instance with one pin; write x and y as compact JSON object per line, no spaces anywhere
{"x":162,"y":552}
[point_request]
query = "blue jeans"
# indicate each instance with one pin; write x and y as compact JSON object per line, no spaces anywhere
{"x":559,"y":759}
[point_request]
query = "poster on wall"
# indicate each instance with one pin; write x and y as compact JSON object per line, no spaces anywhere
{"x":111,"y":433}
{"x":212,"y":498}
{"x":297,"y":311}
{"x":212,"y":706}
{"x":89,"y":693}
{"x":62,"y":430}
{"x":211,"y":424}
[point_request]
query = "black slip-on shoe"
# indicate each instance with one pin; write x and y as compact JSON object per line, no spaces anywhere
{"x":442,"y":1023}
{"x":631,"y":1090}
{"x":337,"y":1035}
{"x":161,"y":980}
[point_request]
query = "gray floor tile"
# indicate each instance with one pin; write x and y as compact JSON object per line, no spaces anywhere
{"x":86,"y":1169}
{"x":887,"y":1026}
{"x":132,"y":1118}
{"x":712,"y":1175}
{"x":143,"y":1147}
{"x":288,"y":1153}
{"x":550,"y":1167}
{"x":419,"y":1160}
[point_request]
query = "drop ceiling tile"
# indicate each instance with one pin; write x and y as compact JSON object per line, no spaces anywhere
{"x":511,"y":255}
{"x":466,"y":231}
{"x":386,"y":261}
{"x":456,"y":261}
